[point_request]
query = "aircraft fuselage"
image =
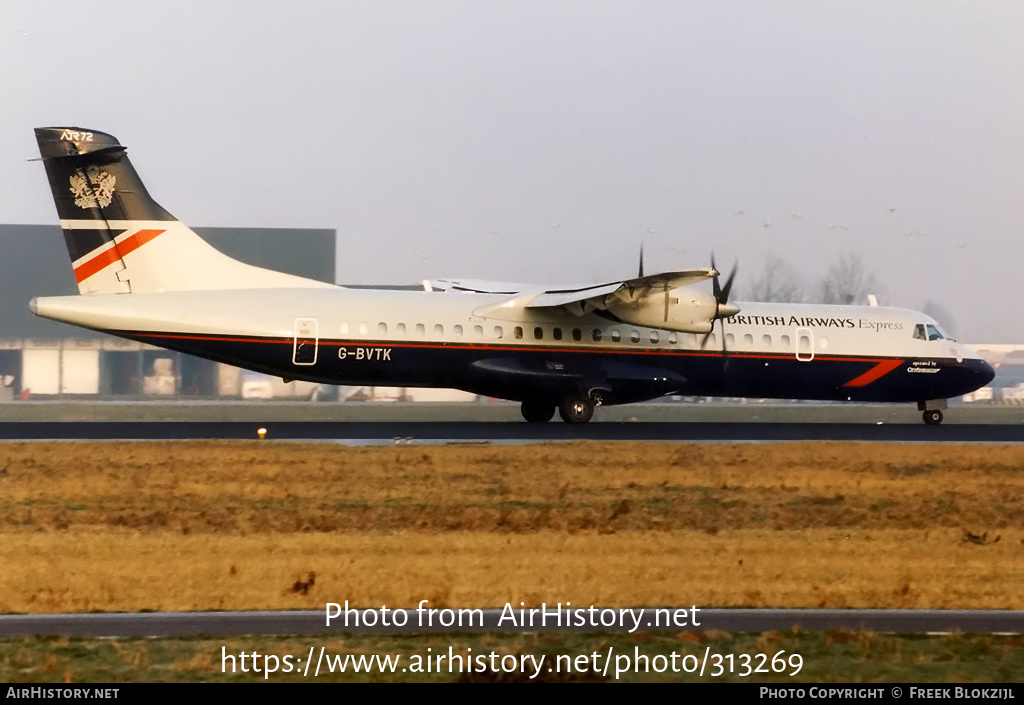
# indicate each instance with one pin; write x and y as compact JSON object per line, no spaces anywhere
{"x":435,"y":339}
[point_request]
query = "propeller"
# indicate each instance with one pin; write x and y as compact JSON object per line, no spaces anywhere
{"x":640,"y":274}
{"x":723,"y":309}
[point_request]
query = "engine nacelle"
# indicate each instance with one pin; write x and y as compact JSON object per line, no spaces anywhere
{"x":678,"y":309}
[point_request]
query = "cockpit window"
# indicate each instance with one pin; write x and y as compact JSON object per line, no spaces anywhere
{"x":926,"y":331}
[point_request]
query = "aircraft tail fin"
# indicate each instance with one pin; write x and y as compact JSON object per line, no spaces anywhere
{"x":122,"y":241}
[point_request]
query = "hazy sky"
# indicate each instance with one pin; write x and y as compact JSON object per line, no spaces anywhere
{"x":543,"y":141}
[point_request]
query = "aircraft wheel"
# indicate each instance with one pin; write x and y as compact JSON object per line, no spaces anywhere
{"x":537,"y":411}
{"x":933,"y":417}
{"x":576,"y":409}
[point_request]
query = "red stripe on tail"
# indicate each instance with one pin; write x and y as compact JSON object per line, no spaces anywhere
{"x":108,"y":257}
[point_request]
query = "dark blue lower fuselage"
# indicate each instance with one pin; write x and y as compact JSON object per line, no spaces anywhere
{"x":623,"y":374}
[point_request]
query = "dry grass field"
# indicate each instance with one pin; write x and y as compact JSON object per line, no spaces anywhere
{"x":246,"y":525}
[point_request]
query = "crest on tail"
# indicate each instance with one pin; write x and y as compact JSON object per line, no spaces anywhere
{"x":94,"y":189}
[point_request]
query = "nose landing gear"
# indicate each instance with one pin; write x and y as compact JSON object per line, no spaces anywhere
{"x":932,"y":411}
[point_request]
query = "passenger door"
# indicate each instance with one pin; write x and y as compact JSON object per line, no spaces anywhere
{"x":804,"y":344}
{"x":306,"y":341}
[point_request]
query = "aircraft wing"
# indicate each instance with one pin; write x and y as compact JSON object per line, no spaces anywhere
{"x":577,"y":299}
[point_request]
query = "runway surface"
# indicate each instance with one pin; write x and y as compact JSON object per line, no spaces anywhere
{"x":508,"y":432}
{"x":167,"y":624}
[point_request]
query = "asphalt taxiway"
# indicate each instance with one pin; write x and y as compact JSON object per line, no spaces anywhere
{"x":361,"y":432}
{"x":491,"y":422}
{"x":262,"y":412}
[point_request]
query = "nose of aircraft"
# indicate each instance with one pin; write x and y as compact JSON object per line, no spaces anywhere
{"x":975,"y":374}
{"x":986,"y":373}
{"x":967,"y":376}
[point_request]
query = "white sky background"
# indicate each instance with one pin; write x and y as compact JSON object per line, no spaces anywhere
{"x":542,"y":141}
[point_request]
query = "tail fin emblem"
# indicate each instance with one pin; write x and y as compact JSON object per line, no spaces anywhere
{"x":101,"y":193}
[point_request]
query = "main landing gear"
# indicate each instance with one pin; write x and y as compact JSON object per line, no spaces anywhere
{"x":574,"y":409}
{"x":536,"y":411}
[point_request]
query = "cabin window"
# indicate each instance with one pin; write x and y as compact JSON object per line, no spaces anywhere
{"x":556,"y":333}
{"x":766,"y":341}
{"x":748,"y":340}
{"x":382,"y":329}
{"x":518,"y":332}
{"x":635,"y":336}
{"x":785,"y":342}
{"x":538,"y":333}
{"x":498,"y":332}
{"x":616,"y":336}
{"x":421,"y":330}
{"x":673,"y":339}
{"x":458,"y":331}
{"x":439,"y":330}
{"x":730,"y":340}
{"x":364,"y":328}
{"x":654,"y":337}
{"x":577,"y":334}
{"x":478,"y":332}
{"x":596,"y":335}
{"x":344,"y":327}
{"x":712,"y":342}
{"x":400,"y":329}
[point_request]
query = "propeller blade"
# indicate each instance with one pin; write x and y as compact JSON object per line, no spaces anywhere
{"x":728,"y":284}
{"x":706,"y":336}
{"x":715,"y":288}
{"x":704,"y":339}
{"x":640,"y":274}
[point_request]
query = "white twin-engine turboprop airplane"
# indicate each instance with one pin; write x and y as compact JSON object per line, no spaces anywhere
{"x":145,"y":276}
